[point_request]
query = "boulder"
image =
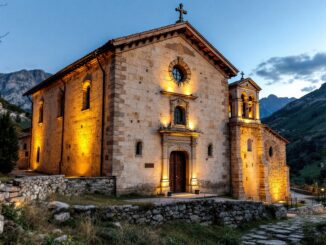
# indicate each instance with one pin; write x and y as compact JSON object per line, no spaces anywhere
{"x":61,"y":238}
{"x":58,"y":206}
{"x":62,"y":217}
{"x":2,"y":222}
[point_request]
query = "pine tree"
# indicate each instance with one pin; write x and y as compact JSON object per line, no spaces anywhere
{"x":8,"y":144}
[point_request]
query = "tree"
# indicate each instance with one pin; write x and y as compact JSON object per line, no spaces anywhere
{"x":8,"y":144}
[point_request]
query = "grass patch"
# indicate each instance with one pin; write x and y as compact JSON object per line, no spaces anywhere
{"x":5,"y":178}
{"x":99,"y":200}
{"x":315,"y":233}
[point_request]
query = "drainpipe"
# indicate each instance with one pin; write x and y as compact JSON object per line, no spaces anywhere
{"x":103,"y":111}
{"x":30,"y":143}
{"x":62,"y":126}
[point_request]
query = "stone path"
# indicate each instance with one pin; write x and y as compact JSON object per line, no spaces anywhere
{"x":280,"y":233}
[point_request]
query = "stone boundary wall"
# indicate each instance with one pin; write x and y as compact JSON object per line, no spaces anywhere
{"x":40,"y":187}
{"x":209,"y":211}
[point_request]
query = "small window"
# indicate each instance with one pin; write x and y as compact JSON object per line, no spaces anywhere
{"x":86,"y":97}
{"x":271,"y":151}
{"x":25,"y":146}
{"x":61,"y":104}
{"x":139,"y":148}
{"x":249,"y":145}
{"x":179,"y":116}
{"x":38,"y":155}
{"x":210,"y":150}
{"x":40,"y":113}
{"x":26,"y":153}
{"x":178,"y":74}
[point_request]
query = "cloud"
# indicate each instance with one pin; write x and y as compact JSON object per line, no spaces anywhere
{"x":303,"y":67}
{"x":308,"y":89}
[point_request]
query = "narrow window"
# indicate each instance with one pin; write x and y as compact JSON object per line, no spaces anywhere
{"x":270,"y":151}
{"x":139,"y":148}
{"x":210,"y":150}
{"x":40,"y":113}
{"x":179,"y":116}
{"x":25,"y":146}
{"x":249,"y":145}
{"x":38,"y":155}
{"x":250,"y":108}
{"x":26,"y":153}
{"x":86,"y":97}
{"x":230,"y":106}
{"x":61,"y":104}
{"x":244,"y":106}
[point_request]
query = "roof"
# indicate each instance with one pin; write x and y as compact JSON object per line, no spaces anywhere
{"x":276,"y":134}
{"x":241,"y":81}
{"x":122,"y":43}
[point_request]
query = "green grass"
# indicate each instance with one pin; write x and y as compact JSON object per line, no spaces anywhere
{"x":5,"y":178}
{"x":315,"y":233}
{"x":99,"y":200}
{"x":26,"y":224}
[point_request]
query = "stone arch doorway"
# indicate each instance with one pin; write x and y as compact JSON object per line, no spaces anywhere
{"x":178,"y":171}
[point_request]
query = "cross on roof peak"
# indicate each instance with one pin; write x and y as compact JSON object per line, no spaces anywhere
{"x":181,"y":13}
{"x":242,"y":75}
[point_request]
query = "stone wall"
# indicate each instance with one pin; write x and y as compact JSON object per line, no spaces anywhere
{"x":40,"y":187}
{"x":230,"y":213}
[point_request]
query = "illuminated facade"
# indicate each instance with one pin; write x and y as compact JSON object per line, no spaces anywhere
{"x":153,"y":110}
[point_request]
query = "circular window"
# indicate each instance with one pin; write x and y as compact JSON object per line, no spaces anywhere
{"x":178,"y":74}
{"x":270,"y":151}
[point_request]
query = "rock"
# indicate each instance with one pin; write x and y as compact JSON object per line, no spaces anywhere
{"x":62,"y":217}
{"x":61,"y":238}
{"x":83,"y":208}
{"x":56,"y":232}
{"x":117,"y":224}
{"x":158,"y":218}
{"x":58,"y":206}
{"x":2,"y":222}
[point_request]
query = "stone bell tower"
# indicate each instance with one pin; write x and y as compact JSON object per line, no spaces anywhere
{"x":246,"y":140}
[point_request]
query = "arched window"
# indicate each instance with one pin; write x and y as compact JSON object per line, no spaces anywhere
{"x":230,"y":106}
{"x":38,"y":155}
{"x":86,"y":96}
{"x":270,"y":151}
{"x":179,"y":115}
{"x":139,"y":148}
{"x":61,"y":103}
{"x":40,"y":112}
{"x":250,"y":108}
{"x":244,"y":105}
{"x":210,"y":150}
{"x":249,"y":145}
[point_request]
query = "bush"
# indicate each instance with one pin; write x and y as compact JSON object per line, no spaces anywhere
{"x":8,"y":144}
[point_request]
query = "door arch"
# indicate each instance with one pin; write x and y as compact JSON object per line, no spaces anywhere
{"x":178,"y":171}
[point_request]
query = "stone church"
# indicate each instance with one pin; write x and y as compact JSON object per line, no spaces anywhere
{"x":155,"y":110}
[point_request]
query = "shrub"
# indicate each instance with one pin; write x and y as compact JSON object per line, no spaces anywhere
{"x":8,"y":144}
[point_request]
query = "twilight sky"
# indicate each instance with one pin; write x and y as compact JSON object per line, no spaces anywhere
{"x":281,"y":44}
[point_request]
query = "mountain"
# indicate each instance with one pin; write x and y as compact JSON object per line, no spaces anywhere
{"x":17,"y":114}
{"x":272,"y":103}
{"x":13,"y":85}
{"x":303,"y":123}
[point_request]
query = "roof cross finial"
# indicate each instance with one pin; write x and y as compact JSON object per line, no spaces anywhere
{"x":242,"y":74}
{"x":181,"y":13}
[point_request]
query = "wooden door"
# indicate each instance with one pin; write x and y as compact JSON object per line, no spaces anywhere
{"x":178,"y":172}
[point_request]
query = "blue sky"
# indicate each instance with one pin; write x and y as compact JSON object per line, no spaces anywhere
{"x":281,"y":44}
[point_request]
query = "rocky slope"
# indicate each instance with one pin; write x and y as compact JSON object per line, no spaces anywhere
{"x":303,"y":122}
{"x":273,"y":103}
{"x":13,"y":85}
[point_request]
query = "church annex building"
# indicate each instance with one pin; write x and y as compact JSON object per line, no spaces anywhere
{"x":155,"y":110}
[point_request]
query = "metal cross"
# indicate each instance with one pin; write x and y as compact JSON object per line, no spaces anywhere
{"x":181,"y":13}
{"x":242,"y":74}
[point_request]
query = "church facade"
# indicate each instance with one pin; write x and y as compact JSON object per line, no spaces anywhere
{"x":156,"y":111}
